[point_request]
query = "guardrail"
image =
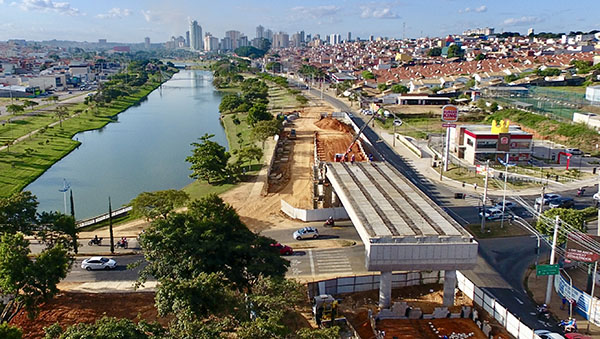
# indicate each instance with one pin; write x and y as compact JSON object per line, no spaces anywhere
{"x":91,"y":221}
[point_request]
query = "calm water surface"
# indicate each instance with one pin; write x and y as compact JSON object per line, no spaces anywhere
{"x":144,"y":150}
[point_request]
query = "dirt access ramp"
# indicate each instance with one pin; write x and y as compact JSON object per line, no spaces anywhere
{"x":262,"y":212}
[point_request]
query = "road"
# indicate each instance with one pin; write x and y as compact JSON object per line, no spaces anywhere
{"x":120,"y":273}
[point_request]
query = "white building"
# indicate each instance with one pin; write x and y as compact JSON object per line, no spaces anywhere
{"x":211,"y":43}
{"x":281,"y":40}
{"x":592,"y":93}
{"x":196,"y":42}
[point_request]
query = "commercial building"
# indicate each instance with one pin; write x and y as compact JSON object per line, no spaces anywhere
{"x":235,"y":37}
{"x":478,"y":143}
{"x":196,"y":42}
{"x":260,"y":32}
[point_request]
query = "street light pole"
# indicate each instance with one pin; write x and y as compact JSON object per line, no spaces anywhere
{"x":485,"y":187}
{"x":394,"y":142}
{"x":570,"y":293}
{"x":592,"y":298}
{"x":552,"y":257}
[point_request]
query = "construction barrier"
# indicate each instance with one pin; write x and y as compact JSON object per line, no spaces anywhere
{"x":315,"y":214}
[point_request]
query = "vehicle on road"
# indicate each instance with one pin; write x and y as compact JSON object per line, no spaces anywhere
{"x":508,"y":205}
{"x":283,"y":249}
{"x":562,"y":202}
{"x":577,"y":336}
{"x":547,"y":198}
{"x":574,"y":151}
{"x":292,"y":134}
{"x":397,"y":122}
{"x":306,"y":233}
{"x":545,"y":334}
{"x":493,"y":214}
{"x":98,"y":263}
{"x":95,"y":241}
{"x":596,"y":197}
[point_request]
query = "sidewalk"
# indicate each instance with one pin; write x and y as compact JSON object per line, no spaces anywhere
{"x":106,"y":287}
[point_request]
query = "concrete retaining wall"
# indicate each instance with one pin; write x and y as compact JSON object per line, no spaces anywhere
{"x":408,"y":143}
{"x":313,"y":215}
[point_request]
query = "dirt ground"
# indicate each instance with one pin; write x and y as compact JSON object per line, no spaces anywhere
{"x":71,"y":308}
{"x":333,"y":138}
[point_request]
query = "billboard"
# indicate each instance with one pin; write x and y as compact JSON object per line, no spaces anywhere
{"x":577,"y":252}
{"x":503,"y":142}
{"x":449,"y":113}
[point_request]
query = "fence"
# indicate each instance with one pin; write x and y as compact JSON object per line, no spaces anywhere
{"x":406,"y":141}
{"x":314,"y":214}
{"x":91,"y":221}
{"x":371,"y":282}
{"x":582,"y":299}
{"x":512,"y":324}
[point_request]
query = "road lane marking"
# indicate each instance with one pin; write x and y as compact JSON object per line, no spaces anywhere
{"x":520,"y":302}
{"x":312,"y":263}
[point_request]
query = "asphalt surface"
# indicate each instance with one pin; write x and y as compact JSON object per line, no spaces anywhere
{"x":120,"y":273}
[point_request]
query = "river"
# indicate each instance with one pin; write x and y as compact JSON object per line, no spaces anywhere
{"x":144,"y":150}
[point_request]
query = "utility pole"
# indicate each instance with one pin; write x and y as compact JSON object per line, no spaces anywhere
{"x":552,"y":255}
{"x":592,"y":297}
{"x":485,"y":188}
{"x":110,"y":228}
{"x":542,"y":201}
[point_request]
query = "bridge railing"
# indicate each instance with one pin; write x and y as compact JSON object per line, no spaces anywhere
{"x":91,"y":221}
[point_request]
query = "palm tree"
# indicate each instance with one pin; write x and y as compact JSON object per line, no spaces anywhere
{"x":61,"y":113}
{"x":14,"y":109}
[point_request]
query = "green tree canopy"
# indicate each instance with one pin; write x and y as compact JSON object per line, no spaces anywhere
{"x":435,"y":51}
{"x":250,"y":52}
{"x":382,"y":87}
{"x":258,"y":112}
{"x":159,"y":203}
{"x":265,"y":129}
{"x":209,"y":160}
{"x":10,"y":332}
{"x":55,"y":228}
{"x":18,"y":213}
{"x":399,"y":89}
{"x":30,"y":281}
{"x":106,"y":328}
{"x":455,"y":51}
{"x":573,"y":217}
{"x":14,"y":109}
{"x":367,"y":75}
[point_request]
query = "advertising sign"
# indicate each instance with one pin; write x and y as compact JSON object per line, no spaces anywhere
{"x":504,"y":142}
{"x":576,"y":252}
{"x":449,"y":113}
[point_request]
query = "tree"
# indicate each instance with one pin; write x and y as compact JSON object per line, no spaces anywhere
{"x":208,"y":159}
{"x":399,"y":89}
{"x":321,"y":333}
{"x":10,"y":332}
{"x":267,"y":326}
{"x":29,"y":281}
{"x":258,"y":112}
{"x":249,"y":51}
{"x":29,"y":103}
{"x":61,"y":113}
{"x":106,"y":327}
{"x":480,"y":56}
{"x":274,"y":66}
{"x":302,"y":100}
{"x":575,"y":218}
{"x":265,"y":129}
{"x":454,"y":51}
{"x":367,"y":75}
{"x":494,"y":107}
{"x":382,"y":87}
{"x":158,"y":204}
{"x":209,"y":238}
{"x":435,"y":51}
{"x":17,"y":213}
{"x":230,"y":103}
{"x":14,"y":109}
{"x":247,"y":154}
{"x":510,"y":78}
{"x":55,"y":228}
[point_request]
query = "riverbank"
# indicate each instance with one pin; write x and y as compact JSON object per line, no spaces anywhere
{"x":24,"y":162}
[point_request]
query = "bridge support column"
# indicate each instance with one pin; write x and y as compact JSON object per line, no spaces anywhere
{"x":449,"y":287}
{"x":335,"y":200}
{"x":327,"y":191}
{"x":385,"y":289}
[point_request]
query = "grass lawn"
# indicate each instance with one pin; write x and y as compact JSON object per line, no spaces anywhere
{"x":280,"y":99}
{"x":469,"y":177}
{"x":199,"y":189}
{"x":573,"y":89}
{"x":238,"y":135}
{"x":23,"y":162}
{"x":493,"y":230}
{"x":417,"y":128}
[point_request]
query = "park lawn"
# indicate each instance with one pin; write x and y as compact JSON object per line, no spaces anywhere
{"x":469,"y":177}
{"x":573,"y":89}
{"x":238,"y":135}
{"x":493,"y":230}
{"x":280,"y":99}
{"x":417,"y":128}
{"x":199,"y":189}
{"x":23,"y":162}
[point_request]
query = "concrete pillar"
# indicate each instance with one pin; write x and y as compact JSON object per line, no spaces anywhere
{"x":327,"y":191}
{"x":335,"y":200}
{"x":449,"y":286}
{"x":385,"y":289}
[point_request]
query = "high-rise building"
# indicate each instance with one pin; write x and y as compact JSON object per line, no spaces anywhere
{"x":302,"y":36}
{"x":530,"y":32}
{"x":296,"y":40}
{"x":335,"y":39}
{"x":196,"y":42}
{"x":260,"y":32}
{"x":211,"y":43}
{"x":226,"y":44}
{"x":234,"y":36}
{"x":243,"y":41}
{"x":349,"y":37}
{"x":187,"y":38}
{"x":147,"y":43}
{"x":280,"y":40}
{"x":371,"y":38}
{"x":269,"y":35}
{"x":308,"y":38}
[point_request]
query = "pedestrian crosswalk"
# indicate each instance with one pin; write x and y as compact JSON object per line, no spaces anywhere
{"x":331,"y":261}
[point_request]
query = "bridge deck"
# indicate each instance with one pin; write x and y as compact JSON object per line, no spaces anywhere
{"x":390,"y":207}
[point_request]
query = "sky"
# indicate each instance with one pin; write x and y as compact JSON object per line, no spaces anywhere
{"x":132,"y":20}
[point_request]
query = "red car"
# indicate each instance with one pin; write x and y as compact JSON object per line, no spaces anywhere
{"x":577,"y":336}
{"x":283,"y":249}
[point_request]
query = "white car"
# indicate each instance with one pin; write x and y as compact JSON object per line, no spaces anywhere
{"x":574,"y":151}
{"x":397,"y":122}
{"x":509,"y":205}
{"x":547,"y":198}
{"x":493,"y":214}
{"x":545,"y":334}
{"x":596,"y":197}
{"x":306,"y":233}
{"x":98,"y":263}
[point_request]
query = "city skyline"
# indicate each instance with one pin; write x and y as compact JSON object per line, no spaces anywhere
{"x":132,"y":21}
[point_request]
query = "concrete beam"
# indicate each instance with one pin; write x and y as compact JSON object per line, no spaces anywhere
{"x":449,"y":287}
{"x":385,"y":289}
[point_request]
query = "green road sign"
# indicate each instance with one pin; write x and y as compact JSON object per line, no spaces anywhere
{"x":546,"y":269}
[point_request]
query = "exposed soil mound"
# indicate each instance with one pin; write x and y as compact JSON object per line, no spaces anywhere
{"x":333,"y":125}
{"x":71,"y":308}
{"x":330,"y":145}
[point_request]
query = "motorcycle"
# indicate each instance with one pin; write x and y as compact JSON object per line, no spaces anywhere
{"x":543,"y":313}
{"x":569,"y":326}
{"x":580,"y":192}
{"x":122,"y":243}
{"x":95,"y":241}
{"x":329,"y":222}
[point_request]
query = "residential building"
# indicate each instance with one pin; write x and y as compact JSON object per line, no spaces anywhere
{"x":335,"y":39}
{"x":211,"y":43}
{"x":196,"y":42}
{"x":235,"y":37}
{"x":280,"y":40}
{"x":592,"y":93}
{"x":243,"y":41}
{"x":147,"y":43}
{"x":260,"y":32}
{"x":349,"y":37}
{"x":296,"y":40}
{"x":226,"y":44}
{"x":269,"y":35}
{"x":187,"y":38}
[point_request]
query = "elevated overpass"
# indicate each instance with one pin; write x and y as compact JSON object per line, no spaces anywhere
{"x":401,"y":227}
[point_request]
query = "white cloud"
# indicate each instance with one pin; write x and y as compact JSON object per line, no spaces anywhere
{"x":1,"y":2}
{"x":378,"y":13}
{"x":115,"y":13}
{"x":49,"y":5}
{"x":148,"y":15}
{"x":316,"y":12}
{"x":524,"y":20}
{"x":480,"y":9}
